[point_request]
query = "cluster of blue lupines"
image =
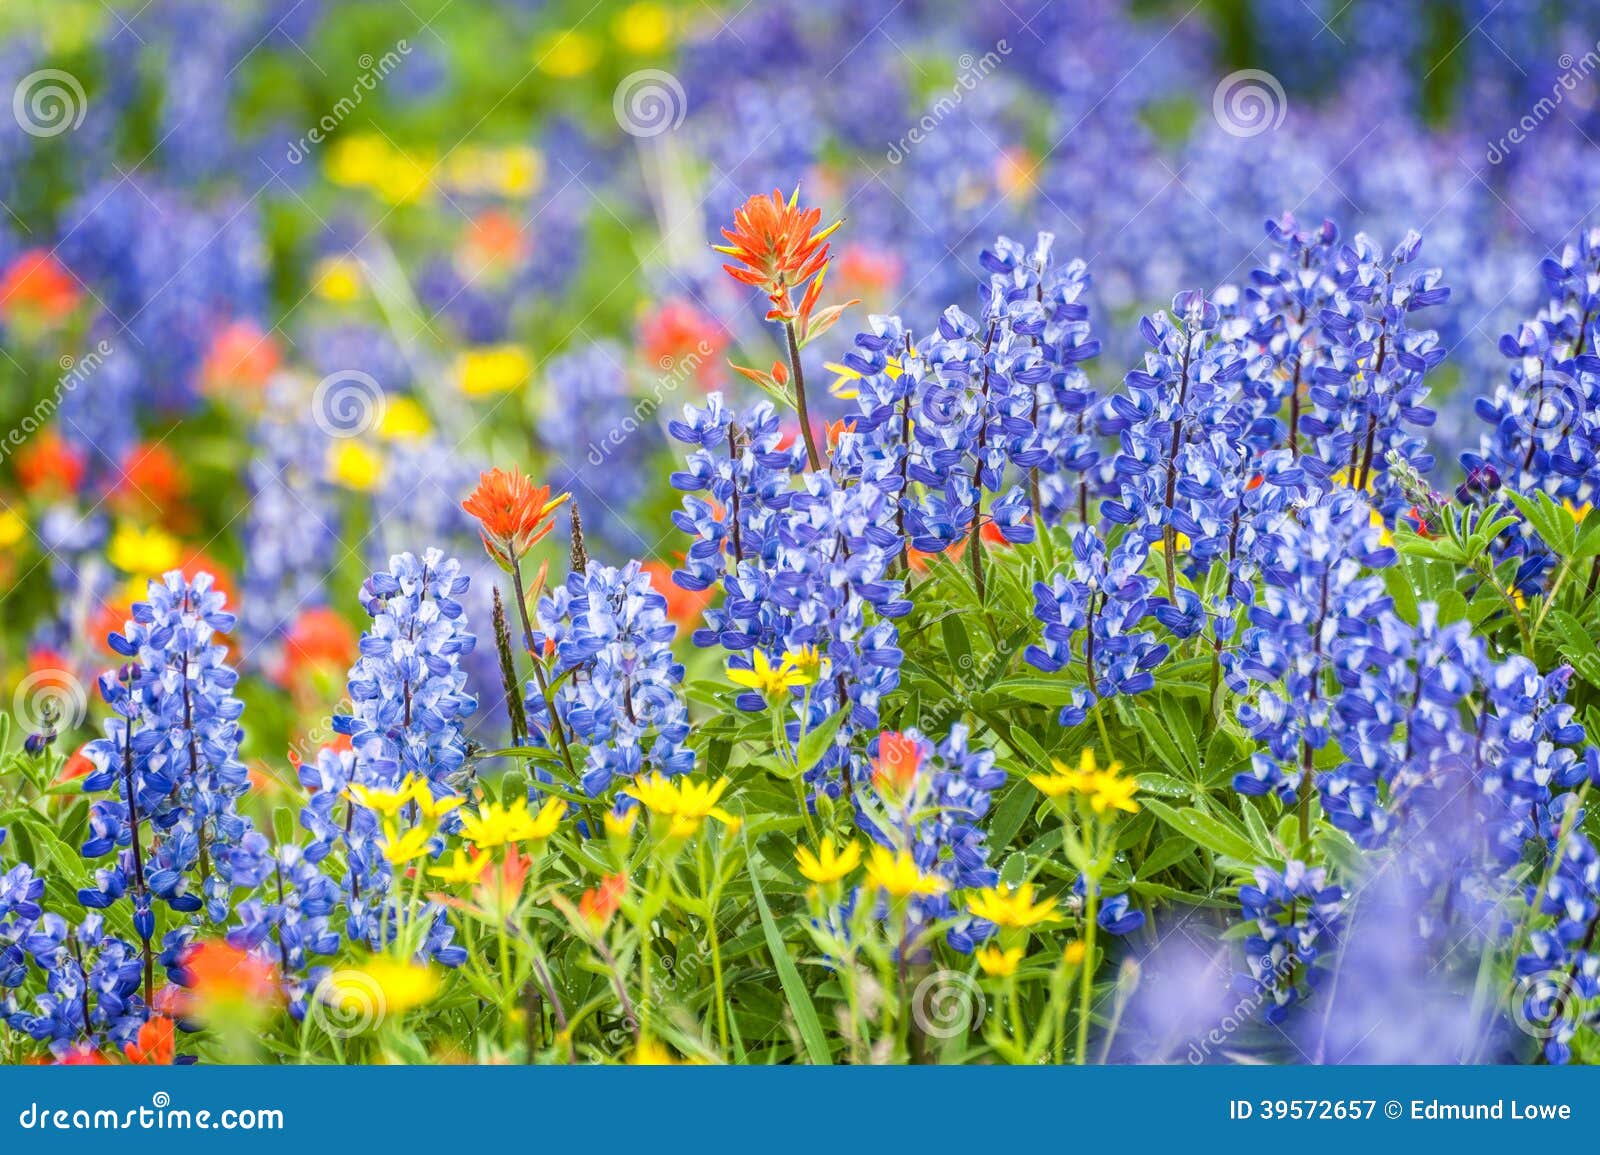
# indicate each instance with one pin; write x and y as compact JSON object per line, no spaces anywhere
{"x":1545,"y":417}
{"x":1298,"y":918}
{"x":409,"y":707}
{"x":802,"y":568}
{"x":938,"y":819}
{"x":616,"y":680}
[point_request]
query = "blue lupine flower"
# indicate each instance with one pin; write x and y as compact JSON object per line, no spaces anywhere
{"x":618,"y":691}
{"x":1298,"y":918}
{"x":938,"y":820}
{"x":170,"y":754}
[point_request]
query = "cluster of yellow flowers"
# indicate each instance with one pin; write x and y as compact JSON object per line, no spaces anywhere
{"x":1105,"y":790}
{"x":493,"y":825}
{"x":683,"y":805}
{"x":796,"y":668}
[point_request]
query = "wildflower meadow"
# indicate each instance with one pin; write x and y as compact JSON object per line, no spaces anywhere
{"x":995,"y":532}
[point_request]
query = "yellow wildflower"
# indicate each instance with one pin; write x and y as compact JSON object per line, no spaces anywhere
{"x":1011,"y":909}
{"x":398,"y":987}
{"x":828,"y":865}
{"x":149,"y":552}
{"x":846,"y":381}
{"x":644,"y":28}
{"x":429,"y":807}
{"x":620,"y":825}
{"x":807,"y":660}
{"x":353,"y":158}
{"x":768,"y":679}
{"x":1576,"y":512}
{"x":338,"y":279}
{"x":461,"y":868}
{"x":567,"y":54}
{"x":1064,"y":780}
{"x":1074,"y":953}
{"x":999,"y":963}
{"x":12,"y":528}
{"x":1105,"y":789}
{"x":404,"y":420}
{"x":684,"y":803}
{"x":354,"y":465}
{"x":898,"y":873}
{"x":400,"y":847}
{"x":386,"y":802}
{"x":493,"y":369}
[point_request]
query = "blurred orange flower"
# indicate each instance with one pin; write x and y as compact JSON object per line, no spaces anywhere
{"x":35,"y":282}
{"x":679,"y":335}
{"x":49,"y":464}
{"x":155,"y":1043}
{"x":240,"y":354}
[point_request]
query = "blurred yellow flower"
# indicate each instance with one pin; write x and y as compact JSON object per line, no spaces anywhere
{"x":353,"y":159}
{"x":146,"y":552}
{"x":12,"y":528}
{"x":828,"y":865}
{"x":404,"y":420}
{"x":430,"y":808}
{"x":999,"y":963}
{"x":1074,"y":953}
{"x":620,"y":825}
{"x":493,"y":369}
{"x":898,"y":873}
{"x":338,"y":279}
{"x":684,"y":803}
{"x":402,"y":178}
{"x":567,"y":54}
{"x":1011,"y":909}
{"x":399,"y":987}
{"x":807,"y":662}
{"x":354,"y":465}
{"x":644,"y":28}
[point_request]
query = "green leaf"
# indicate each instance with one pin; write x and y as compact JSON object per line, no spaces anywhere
{"x":1205,"y":830}
{"x":817,"y":740}
{"x":957,"y":645}
{"x":1040,"y":691}
{"x":805,"y":1014}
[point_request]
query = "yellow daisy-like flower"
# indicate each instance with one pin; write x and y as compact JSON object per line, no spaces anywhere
{"x":897,"y":873}
{"x":620,"y":825}
{"x":431,"y":808}
{"x":684,"y":803}
{"x":1011,"y":909}
{"x":1064,"y":780}
{"x":461,"y":868}
{"x":1111,"y":791}
{"x":807,"y":661}
{"x":400,"y":847}
{"x":998,"y":963}
{"x":148,"y":552}
{"x":12,"y":528}
{"x":399,"y":987}
{"x":386,"y":802}
{"x":828,"y":865}
{"x":492,"y":369}
{"x":338,"y":279}
{"x":354,"y":466}
{"x":545,"y":823}
{"x":768,"y":679}
{"x":1074,"y":953}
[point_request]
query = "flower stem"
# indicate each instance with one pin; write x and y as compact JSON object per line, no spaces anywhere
{"x":800,"y":398}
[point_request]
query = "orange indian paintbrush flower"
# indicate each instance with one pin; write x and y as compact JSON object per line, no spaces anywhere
{"x":777,"y":251}
{"x":514,"y":513}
